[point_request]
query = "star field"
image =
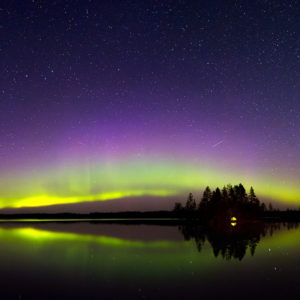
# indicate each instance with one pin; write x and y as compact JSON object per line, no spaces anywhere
{"x":106,"y":99}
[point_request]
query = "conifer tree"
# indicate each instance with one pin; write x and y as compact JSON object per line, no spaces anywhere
{"x":207,"y":194}
{"x":190,"y":203}
{"x":252,"y":197}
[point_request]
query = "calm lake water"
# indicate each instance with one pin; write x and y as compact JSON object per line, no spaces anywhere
{"x":116,"y":261}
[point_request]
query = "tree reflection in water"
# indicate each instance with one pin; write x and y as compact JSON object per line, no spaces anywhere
{"x":231,"y":242}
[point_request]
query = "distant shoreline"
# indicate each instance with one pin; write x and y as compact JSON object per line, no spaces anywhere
{"x":135,"y":216}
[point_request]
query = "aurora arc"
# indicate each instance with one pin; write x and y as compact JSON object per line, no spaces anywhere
{"x":99,"y":111}
{"x":130,"y":178}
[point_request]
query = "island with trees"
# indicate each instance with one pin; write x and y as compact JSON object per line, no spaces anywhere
{"x":232,"y":202}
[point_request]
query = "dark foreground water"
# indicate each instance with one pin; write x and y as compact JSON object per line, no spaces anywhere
{"x":117,"y":261}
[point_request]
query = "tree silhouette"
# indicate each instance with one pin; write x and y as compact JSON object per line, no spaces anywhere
{"x":270,"y":207}
{"x":206,"y":197}
{"x":216,"y":197}
{"x":252,"y":197}
{"x":216,"y":206}
{"x":190,"y":205}
{"x":231,"y":201}
{"x":225,"y":194}
{"x":178,"y":207}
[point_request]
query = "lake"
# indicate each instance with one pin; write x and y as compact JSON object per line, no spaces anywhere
{"x":94,"y":260}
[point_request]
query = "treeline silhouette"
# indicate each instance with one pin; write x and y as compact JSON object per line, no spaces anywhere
{"x":214,"y":206}
{"x":231,"y":242}
{"x":231,"y":201}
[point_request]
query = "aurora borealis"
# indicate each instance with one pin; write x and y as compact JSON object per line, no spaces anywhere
{"x":57,"y":260}
{"x":104,"y":100}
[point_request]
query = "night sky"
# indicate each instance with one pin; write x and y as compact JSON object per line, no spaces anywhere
{"x":148,"y":100}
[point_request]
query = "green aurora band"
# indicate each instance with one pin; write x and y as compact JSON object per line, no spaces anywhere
{"x":101,"y":181}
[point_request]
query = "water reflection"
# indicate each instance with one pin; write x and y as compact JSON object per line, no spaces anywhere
{"x":226,"y":240}
{"x":117,"y":261}
{"x":231,"y":241}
